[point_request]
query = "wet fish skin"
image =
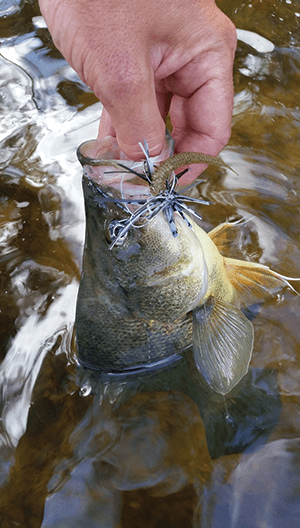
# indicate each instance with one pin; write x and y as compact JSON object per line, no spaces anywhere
{"x":155,"y":295}
{"x":121,"y":321}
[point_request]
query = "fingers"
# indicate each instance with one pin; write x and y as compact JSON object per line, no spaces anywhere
{"x":127,"y":92}
{"x":131,"y":108}
{"x":201,"y":111}
{"x":202,"y":123}
{"x":132,"y":122}
{"x":136,"y":54}
{"x":106,"y":128}
{"x":130,"y":130}
{"x":111,"y":55}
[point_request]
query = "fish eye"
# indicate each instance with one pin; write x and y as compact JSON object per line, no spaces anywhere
{"x":113,"y":230}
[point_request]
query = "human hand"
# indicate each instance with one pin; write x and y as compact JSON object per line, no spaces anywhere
{"x":145,"y":58}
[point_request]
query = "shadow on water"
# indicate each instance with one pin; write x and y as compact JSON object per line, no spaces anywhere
{"x":159,"y":450}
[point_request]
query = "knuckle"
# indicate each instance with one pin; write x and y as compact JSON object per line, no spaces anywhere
{"x":229,"y":35}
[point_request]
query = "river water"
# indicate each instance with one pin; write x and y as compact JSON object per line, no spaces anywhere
{"x":163,"y":452}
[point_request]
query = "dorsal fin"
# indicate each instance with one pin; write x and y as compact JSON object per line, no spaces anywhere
{"x":224,"y":235}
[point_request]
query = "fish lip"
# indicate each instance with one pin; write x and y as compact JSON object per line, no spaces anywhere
{"x":137,"y":370}
{"x":94,"y":158}
{"x":113,"y":186}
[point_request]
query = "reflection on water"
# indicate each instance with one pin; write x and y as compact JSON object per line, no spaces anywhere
{"x":161,"y":450}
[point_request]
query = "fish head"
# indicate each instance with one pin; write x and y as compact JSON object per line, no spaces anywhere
{"x":136,"y":295}
{"x":165,"y":275}
{"x":159,"y":276}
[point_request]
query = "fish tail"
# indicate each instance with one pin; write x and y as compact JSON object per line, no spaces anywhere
{"x":253,"y":281}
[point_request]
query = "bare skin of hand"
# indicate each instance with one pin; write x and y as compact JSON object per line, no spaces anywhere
{"x":144,"y":59}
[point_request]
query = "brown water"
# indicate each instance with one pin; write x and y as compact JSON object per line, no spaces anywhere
{"x":125,"y":454}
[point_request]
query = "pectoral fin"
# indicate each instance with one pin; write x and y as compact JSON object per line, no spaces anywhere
{"x":254,"y":281}
{"x":222,"y":344}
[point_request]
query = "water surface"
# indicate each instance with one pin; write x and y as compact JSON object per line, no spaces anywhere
{"x":162,"y":451}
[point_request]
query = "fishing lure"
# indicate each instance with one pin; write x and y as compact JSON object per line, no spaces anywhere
{"x":163,"y":172}
{"x":163,"y":183}
{"x":167,"y":201}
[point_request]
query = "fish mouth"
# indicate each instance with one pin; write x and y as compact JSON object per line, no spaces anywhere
{"x":109,"y":168}
{"x":117,"y":184}
{"x":128,"y":184}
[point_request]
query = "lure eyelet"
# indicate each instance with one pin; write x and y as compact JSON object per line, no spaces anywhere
{"x":113,"y":230}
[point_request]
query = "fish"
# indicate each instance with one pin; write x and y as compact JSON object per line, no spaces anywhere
{"x":154,"y":283}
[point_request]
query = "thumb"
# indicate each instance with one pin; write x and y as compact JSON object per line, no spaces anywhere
{"x":131,"y":114}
